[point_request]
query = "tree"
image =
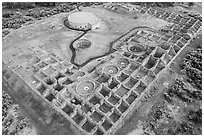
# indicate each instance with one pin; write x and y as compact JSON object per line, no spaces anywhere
{"x":190,"y":4}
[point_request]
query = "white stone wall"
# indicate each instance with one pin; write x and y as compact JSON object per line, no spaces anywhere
{"x":80,"y":26}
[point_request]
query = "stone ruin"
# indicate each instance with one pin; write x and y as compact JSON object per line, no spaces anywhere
{"x":97,"y":102}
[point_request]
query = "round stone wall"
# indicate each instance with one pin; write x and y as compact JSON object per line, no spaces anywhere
{"x":82,"y":20}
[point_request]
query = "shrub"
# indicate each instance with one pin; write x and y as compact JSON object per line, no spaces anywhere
{"x":45,"y":4}
{"x":21,"y":5}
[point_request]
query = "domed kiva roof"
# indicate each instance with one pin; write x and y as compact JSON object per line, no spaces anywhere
{"x":82,"y":20}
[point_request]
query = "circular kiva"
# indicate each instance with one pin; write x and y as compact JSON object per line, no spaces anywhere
{"x":82,"y":44}
{"x":82,"y":20}
{"x":138,"y":48}
{"x":110,"y":69}
{"x":122,"y":62}
{"x":85,"y":88}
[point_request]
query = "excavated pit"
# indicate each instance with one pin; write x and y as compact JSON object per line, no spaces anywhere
{"x":58,"y":87}
{"x":103,"y":78}
{"x":176,"y":48}
{"x":104,"y":91}
{"x":113,"y":99}
{"x":141,"y":73}
{"x":113,"y":84}
{"x":49,"y":81}
{"x":140,"y":88}
{"x":106,"y":107}
{"x":167,"y":58}
{"x":141,"y":58}
{"x":41,"y":88}
{"x":131,"y":83}
{"x":159,"y":52}
{"x":88,"y":126}
{"x":172,"y":52}
{"x":151,"y":62}
{"x":95,"y":100}
{"x":107,"y":125}
{"x":86,"y":108}
{"x":59,"y":75}
{"x":122,"y":77}
{"x":50,"y":97}
{"x":126,"y":54}
{"x":67,"y":81}
{"x":98,"y":132}
{"x":76,"y":101}
{"x":115,"y":116}
{"x":68,"y":110}
{"x":159,"y":67}
{"x":121,"y":91}
{"x":96,"y":116}
{"x":78,"y":118}
{"x":95,"y":74}
{"x":123,"y":107}
{"x":132,"y":68}
{"x":68,"y":72}
{"x":131,"y":98}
